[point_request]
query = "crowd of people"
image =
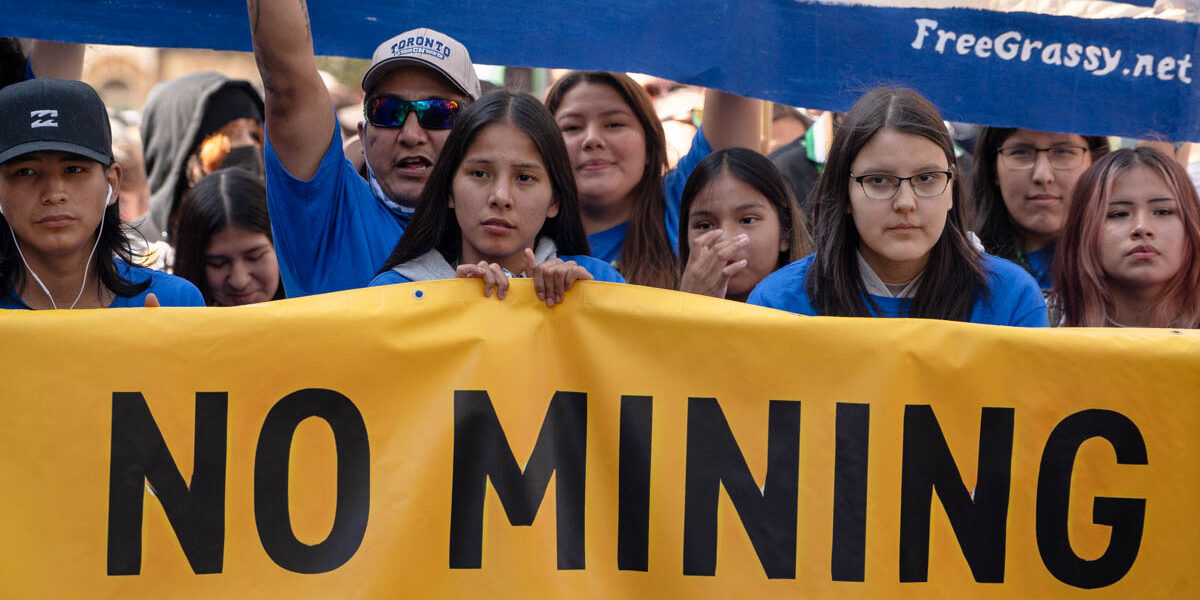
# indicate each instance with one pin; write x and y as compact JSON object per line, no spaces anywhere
{"x":255,"y":199}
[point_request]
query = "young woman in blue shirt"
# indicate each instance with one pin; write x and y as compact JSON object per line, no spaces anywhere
{"x":889,"y":232}
{"x":1022,"y":187}
{"x":500,"y":202}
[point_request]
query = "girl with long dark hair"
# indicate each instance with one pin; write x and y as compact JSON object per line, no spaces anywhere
{"x":618,"y":155}
{"x":500,"y":202}
{"x":224,"y":243}
{"x":890,"y":241}
{"x":1021,"y":191}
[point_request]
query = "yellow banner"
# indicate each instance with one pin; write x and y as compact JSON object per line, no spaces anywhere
{"x":422,"y":441}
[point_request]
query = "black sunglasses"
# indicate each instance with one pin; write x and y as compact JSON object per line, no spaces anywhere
{"x":386,"y":111}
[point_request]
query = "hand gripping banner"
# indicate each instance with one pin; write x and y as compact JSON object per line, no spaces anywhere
{"x":423,"y":441}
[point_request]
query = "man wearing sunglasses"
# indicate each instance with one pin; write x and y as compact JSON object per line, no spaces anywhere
{"x":333,"y":230}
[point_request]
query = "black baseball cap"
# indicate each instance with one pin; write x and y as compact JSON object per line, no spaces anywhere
{"x":54,"y":115}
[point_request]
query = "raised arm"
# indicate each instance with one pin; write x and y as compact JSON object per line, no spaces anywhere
{"x":55,"y":59}
{"x":300,"y":117}
{"x":731,"y":120}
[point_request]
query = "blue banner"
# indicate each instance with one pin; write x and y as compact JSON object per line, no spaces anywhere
{"x":1126,"y":77}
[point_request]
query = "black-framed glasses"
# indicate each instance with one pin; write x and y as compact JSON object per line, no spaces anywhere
{"x":388,"y":111}
{"x":1062,"y":156}
{"x":883,"y":187}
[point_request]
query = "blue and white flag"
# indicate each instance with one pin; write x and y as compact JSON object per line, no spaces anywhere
{"x":1129,"y":73}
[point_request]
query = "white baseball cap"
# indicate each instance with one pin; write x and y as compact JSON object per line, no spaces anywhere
{"x":426,"y":48}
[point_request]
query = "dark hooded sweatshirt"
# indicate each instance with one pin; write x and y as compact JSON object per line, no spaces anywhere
{"x":173,"y":126}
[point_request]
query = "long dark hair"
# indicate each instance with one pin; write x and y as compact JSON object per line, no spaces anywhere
{"x":758,"y":172}
{"x":647,"y":257}
{"x":113,"y":244}
{"x":224,"y":198}
{"x":997,"y":230}
{"x":834,"y":283}
{"x":434,"y":226}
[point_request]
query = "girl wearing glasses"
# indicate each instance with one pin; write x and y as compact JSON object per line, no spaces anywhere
{"x":740,"y":223}
{"x":890,"y":240}
{"x":1127,"y":255}
{"x":1021,"y":188}
{"x":500,"y":202}
{"x":619,"y":155}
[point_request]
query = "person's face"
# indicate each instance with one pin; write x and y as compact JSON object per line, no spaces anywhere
{"x":1038,"y":198}
{"x":54,"y":202}
{"x":606,"y":144}
{"x":402,"y":157}
{"x":736,"y":207}
{"x":896,"y":235}
{"x":1142,"y":242}
{"x":501,"y":196}
{"x":240,"y":267}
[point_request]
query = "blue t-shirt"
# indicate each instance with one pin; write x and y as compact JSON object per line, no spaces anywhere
{"x":608,"y":245}
{"x":331,"y":232}
{"x":1012,"y":296}
{"x":170,"y":290}
{"x":1039,"y":264}
{"x":599,"y":269}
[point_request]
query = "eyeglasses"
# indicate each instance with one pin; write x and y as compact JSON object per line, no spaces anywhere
{"x":386,"y":111}
{"x":1060,"y":157}
{"x":884,"y":187}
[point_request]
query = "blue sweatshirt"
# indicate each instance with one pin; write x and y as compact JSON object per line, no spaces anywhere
{"x":1012,"y":296}
{"x":170,"y":290}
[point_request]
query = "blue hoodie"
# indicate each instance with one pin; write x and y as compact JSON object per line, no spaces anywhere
{"x":1012,"y":296}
